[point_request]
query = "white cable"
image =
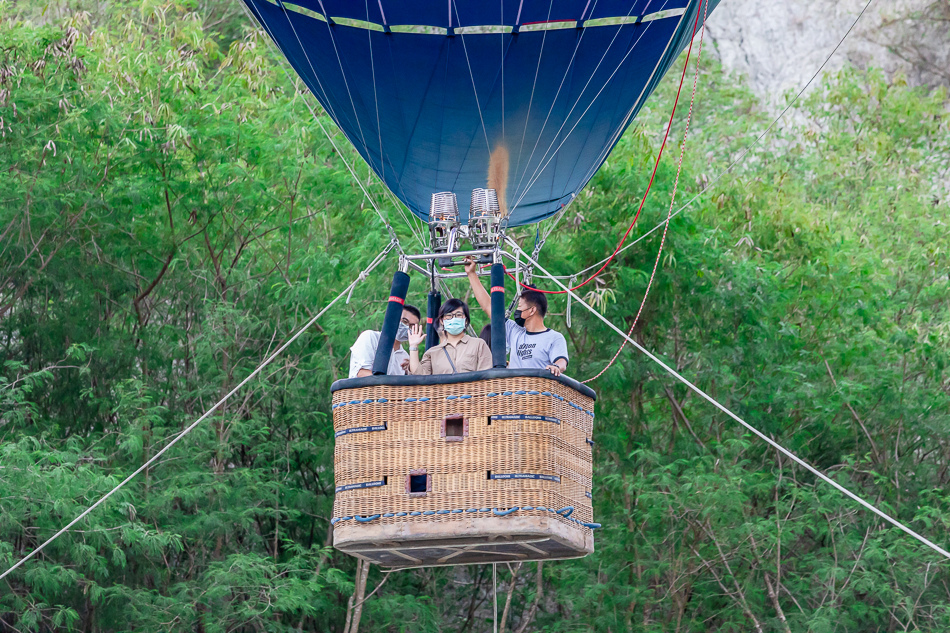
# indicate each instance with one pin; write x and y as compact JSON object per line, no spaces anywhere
{"x":741,"y":156}
{"x":273,"y":40}
{"x":580,"y":96}
{"x":534,"y":85}
{"x":392,"y":232}
{"x":339,"y":61}
{"x":373,"y":264}
{"x":749,"y":427}
{"x":327,"y":134}
{"x":379,"y":130}
{"x":472,"y":75}
{"x":540,"y":170}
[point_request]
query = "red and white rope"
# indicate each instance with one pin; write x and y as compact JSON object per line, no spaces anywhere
{"x":669,"y":214}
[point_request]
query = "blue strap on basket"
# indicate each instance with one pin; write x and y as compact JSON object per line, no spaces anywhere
{"x":564,"y":512}
{"x":520,"y":392}
{"x":372,"y":517}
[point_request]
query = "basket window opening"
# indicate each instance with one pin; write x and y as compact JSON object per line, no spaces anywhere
{"x":488,"y":475}
{"x":418,"y":483}
{"x":454,"y":428}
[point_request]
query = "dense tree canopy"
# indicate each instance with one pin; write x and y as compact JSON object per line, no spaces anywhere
{"x":171,"y":212}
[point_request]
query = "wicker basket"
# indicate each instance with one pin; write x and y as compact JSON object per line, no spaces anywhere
{"x":489,"y":466}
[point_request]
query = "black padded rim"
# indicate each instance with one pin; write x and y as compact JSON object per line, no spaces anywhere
{"x":449,"y":379}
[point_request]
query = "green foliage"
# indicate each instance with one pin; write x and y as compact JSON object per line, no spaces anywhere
{"x":171,"y":213}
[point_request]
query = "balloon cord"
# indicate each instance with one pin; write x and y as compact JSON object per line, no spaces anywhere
{"x":669,"y":213}
{"x":656,"y":166}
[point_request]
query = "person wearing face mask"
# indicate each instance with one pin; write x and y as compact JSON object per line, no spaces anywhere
{"x":530,"y":344}
{"x":363,"y":351}
{"x":457,"y":352}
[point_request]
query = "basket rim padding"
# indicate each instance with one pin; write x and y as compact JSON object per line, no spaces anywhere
{"x":469,"y":376}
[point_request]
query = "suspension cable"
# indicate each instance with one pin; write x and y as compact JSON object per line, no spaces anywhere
{"x":542,"y":163}
{"x":762,"y":436}
{"x":281,"y":55}
{"x":745,"y":152}
{"x":379,"y":258}
{"x":656,"y":167}
{"x":494,"y":596}
{"x":669,"y":213}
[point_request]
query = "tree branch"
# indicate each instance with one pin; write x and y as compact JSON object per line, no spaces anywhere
{"x":532,"y":611}
{"x":511,"y":591}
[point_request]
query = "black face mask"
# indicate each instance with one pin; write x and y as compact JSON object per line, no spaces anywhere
{"x":517,"y":318}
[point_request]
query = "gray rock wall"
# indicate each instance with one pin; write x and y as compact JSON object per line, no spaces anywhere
{"x":778,"y":45}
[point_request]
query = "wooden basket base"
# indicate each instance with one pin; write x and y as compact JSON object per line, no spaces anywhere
{"x":464,"y":541}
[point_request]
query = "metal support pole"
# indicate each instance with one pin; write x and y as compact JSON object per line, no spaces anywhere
{"x":452,"y":255}
{"x":498,"y":351}
{"x":387,"y":338}
{"x":494,"y":596}
{"x":432,"y":311}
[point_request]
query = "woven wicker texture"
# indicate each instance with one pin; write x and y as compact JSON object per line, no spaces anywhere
{"x":384,"y":432}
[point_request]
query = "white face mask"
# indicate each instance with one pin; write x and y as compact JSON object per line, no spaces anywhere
{"x":454,"y":326}
{"x":402,"y":334}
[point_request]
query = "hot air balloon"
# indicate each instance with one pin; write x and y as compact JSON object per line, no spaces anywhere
{"x":514,"y":105}
{"x":526,"y":97}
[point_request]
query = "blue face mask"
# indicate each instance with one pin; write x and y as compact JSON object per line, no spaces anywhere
{"x":454,"y":326}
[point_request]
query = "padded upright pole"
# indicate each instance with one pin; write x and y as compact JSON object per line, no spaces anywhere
{"x":498,"y":351}
{"x":397,"y":298}
{"x":432,"y":312}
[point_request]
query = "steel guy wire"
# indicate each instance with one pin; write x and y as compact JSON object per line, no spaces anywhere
{"x":379,"y":258}
{"x":741,"y":156}
{"x":762,"y":436}
{"x":389,"y":228}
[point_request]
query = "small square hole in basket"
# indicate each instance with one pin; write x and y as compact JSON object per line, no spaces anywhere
{"x":454,"y":428}
{"x":417,"y":484}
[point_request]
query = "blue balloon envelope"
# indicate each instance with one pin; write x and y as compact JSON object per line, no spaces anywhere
{"x":527,"y":97}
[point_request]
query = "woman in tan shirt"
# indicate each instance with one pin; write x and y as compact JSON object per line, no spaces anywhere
{"x":458,"y":352}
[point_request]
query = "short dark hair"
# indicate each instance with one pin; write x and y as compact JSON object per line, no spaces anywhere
{"x":536,"y":299}
{"x":451,"y":306}
{"x":411,"y":309}
{"x":485,"y":335}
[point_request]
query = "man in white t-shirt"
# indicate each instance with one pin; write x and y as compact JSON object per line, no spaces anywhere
{"x":529,"y":343}
{"x":363,"y":351}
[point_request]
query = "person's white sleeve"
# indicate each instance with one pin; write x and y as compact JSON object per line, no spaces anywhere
{"x":558,"y":348}
{"x":363,"y":352}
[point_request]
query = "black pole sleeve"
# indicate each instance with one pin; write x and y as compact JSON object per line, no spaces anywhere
{"x":387,"y":338}
{"x":432,"y":312}
{"x":498,"y":351}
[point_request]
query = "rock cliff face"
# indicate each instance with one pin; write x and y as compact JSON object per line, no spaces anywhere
{"x":779,"y":45}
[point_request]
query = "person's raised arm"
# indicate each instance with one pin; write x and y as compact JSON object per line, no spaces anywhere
{"x":417,"y":334}
{"x":481,"y":295}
